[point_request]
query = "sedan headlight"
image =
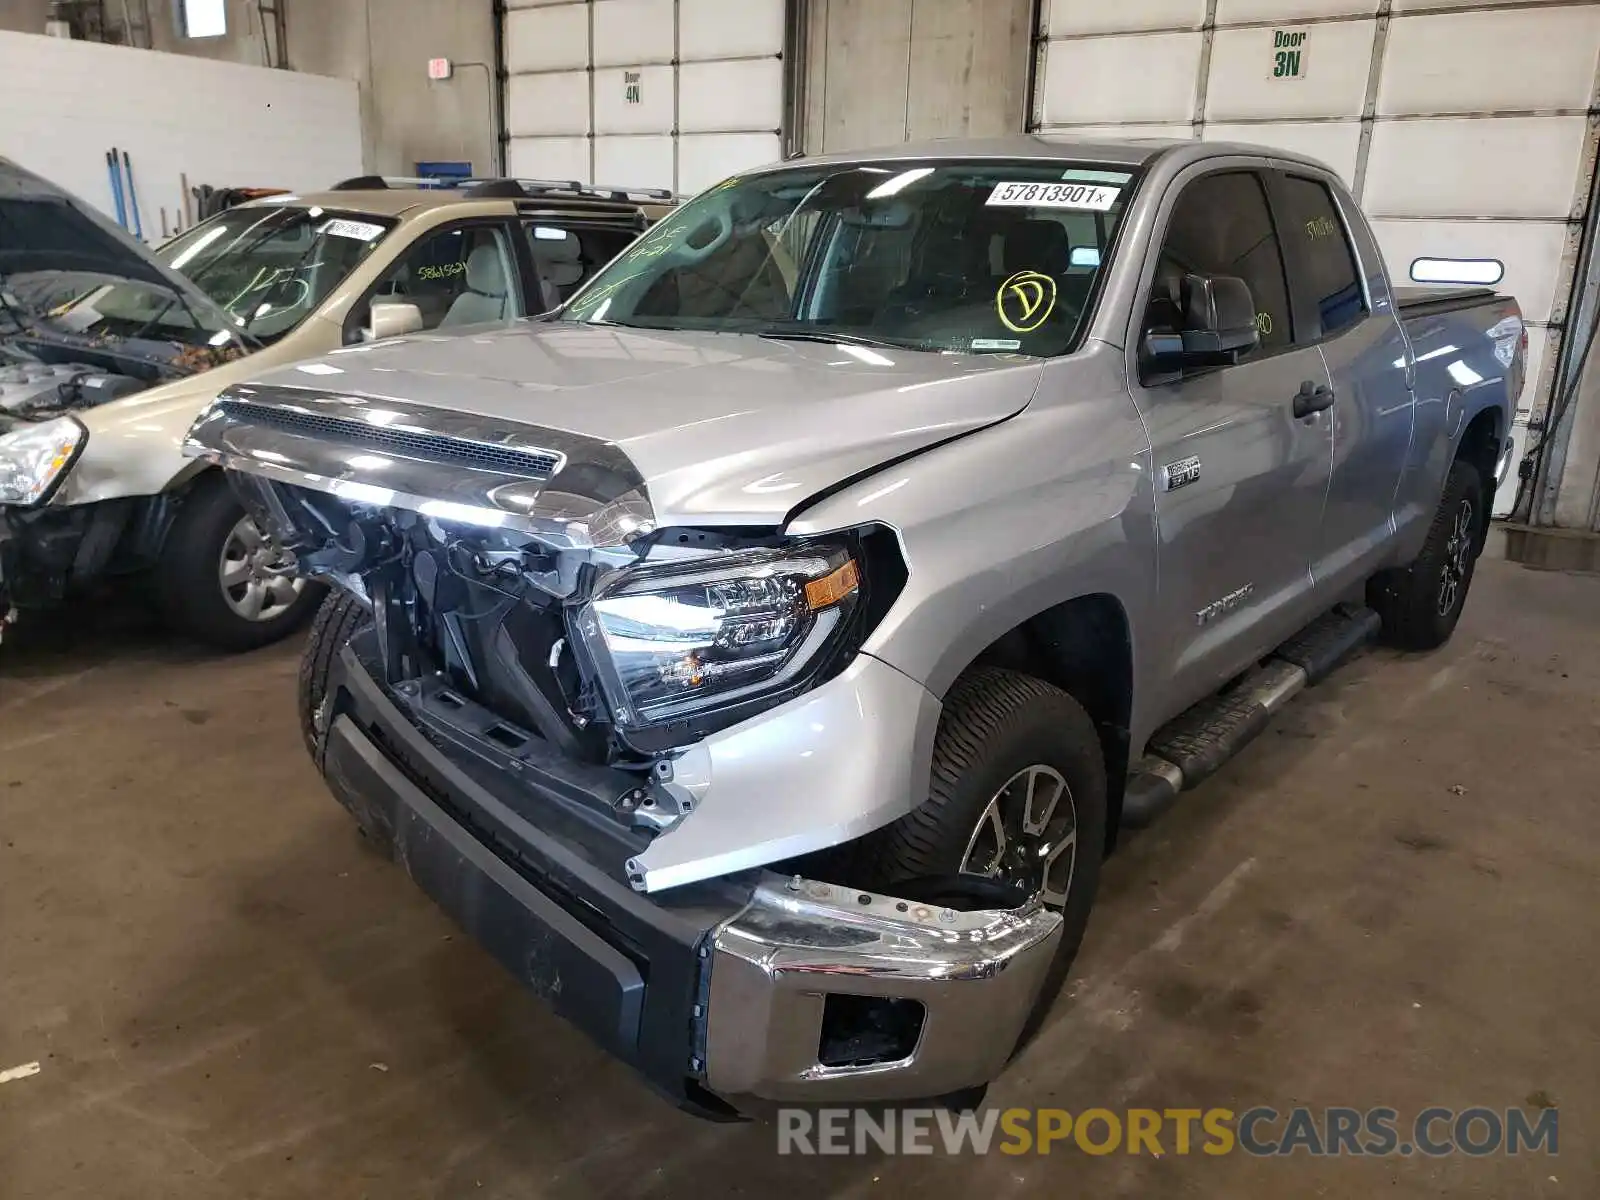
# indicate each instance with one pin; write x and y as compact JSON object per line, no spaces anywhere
{"x":35,"y":458}
{"x":679,"y":642}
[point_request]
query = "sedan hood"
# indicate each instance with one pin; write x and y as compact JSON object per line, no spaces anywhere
{"x":722,"y":428}
{"x":46,"y":232}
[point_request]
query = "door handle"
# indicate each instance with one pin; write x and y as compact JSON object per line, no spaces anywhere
{"x":1312,"y":397}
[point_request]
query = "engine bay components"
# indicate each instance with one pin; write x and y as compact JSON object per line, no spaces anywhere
{"x":29,"y":387}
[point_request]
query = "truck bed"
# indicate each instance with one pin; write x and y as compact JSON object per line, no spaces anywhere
{"x":1422,"y":301}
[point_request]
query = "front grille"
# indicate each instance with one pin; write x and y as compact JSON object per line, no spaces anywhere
{"x":529,"y":462}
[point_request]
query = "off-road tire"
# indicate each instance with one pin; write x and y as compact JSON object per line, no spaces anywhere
{"x":186,"y":586}
{"x":1408,"y":599}
{"x":332,"y":628}
{"x":994,"y":723}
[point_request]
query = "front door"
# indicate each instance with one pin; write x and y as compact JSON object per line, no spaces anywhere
{"x":465,"y":273}
{"x":1239,"y":479}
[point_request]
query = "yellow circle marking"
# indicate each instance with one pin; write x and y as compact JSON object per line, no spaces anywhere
{"x":1025,"y":301}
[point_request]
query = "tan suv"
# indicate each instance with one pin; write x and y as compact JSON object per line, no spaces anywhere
{"x":114,"y":357}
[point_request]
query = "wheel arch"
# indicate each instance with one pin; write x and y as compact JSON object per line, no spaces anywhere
{"x":1084,"y":646}
{"x":192,"y":470}
{"x":1479,"y":445}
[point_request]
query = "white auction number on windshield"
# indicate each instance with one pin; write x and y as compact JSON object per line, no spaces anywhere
{"x":1093,"y":196}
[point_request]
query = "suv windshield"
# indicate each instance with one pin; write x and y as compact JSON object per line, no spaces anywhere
{"x":956,"y":256}
{"x":271,"y":266}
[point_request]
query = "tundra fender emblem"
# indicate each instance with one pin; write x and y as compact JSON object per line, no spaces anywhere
{"x":1227,"y":604}
{"x":1177,"y":474}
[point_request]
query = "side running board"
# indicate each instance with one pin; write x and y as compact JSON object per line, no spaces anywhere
{"x":1190,"y":747}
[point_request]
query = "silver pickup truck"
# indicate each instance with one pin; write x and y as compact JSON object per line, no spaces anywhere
{"x":759,"y":654}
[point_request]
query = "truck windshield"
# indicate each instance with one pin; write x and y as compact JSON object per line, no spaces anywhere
{"x":270,"y":266}
{"x":966,"y":257}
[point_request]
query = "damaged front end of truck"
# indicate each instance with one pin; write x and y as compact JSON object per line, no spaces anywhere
{"x":522,"y":571}
{"x":632,"y":759}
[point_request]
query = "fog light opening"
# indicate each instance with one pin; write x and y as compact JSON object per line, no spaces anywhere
{"x":863,"y":1031}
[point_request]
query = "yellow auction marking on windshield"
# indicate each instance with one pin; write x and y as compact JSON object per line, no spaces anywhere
{"x":1025,"y":301}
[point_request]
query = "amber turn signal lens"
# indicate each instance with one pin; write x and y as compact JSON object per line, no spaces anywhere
{"x":833,"y":587}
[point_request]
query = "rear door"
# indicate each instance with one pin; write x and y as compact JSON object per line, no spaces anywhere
{"x":1351,"y":319}
{"x":1239,"y":479}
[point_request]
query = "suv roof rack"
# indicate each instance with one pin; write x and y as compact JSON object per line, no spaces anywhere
{"x":381,"y":183}
{"x":495,"y":189}
{"x":618,"y":193}
{"x":491,"y":187}
{"x":530,"y":188}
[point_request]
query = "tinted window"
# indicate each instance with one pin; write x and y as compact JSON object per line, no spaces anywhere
{"x":1313,"y":228}
{"x":1222,"y":226}
{"x":563,"y":258}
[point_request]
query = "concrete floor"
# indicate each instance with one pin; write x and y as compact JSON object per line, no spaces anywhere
{"x":1392,"y":898}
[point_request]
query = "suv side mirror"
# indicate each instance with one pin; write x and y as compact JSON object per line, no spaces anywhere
{"x":1219,"y":327}
{"x":391,"y":318}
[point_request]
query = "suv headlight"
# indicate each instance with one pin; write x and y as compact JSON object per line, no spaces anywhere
{"x":35,"y":458}
{"x":701,"y":644}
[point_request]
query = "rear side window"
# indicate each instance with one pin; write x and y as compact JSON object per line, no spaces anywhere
{"x":1312,"y":227}
{"x":1221,"y":225}
{"x":563,"y":258}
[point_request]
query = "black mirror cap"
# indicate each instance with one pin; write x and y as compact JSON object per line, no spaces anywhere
{"x":1219,"y":328}
{"x":1217,"y":303}
{"x":1219,"y":320}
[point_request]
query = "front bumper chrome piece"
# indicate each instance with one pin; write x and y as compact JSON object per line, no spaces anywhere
{"x":723,"y":985}
{"x":773,"y":967}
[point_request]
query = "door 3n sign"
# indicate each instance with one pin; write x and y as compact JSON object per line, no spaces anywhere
{"x":1289,"y":53}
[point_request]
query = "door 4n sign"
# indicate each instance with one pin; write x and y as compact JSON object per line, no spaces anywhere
{"x":1289,"y":53}
{"x":632,"y":89}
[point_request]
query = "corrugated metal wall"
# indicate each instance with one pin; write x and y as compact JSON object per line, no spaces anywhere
{"x":1464,"y":128}
{"x":659,"y":93}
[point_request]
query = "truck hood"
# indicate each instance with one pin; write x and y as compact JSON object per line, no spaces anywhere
{"x":722,"y":428}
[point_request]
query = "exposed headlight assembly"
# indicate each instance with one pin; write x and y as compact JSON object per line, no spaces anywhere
{"x":687,"y":647}
{"x":35,"y":459}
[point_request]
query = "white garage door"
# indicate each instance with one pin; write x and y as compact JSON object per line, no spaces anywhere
{"x":886,"y":71}
{"x":642,"y":93}
{"x":1463,"y":127}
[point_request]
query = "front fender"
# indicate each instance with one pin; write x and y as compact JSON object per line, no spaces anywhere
{"x":997,"y":527}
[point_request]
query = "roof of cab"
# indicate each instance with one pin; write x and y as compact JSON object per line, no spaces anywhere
{"x":1129,"y":152}
{"x":1132,"y":151}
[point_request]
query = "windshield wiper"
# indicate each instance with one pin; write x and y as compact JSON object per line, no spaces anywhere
{"x":247,"y":342}
{"x":782,"y":333}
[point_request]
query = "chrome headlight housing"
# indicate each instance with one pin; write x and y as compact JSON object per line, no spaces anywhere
{"x":34,"y":459}
{"x":686,"y":647}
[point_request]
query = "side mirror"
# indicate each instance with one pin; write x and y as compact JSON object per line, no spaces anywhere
{"x":1218,"y":318}
{"x":391,"y":318}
